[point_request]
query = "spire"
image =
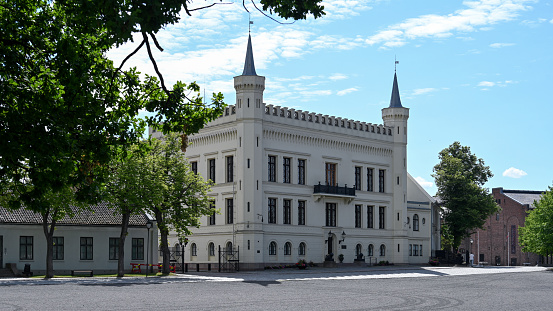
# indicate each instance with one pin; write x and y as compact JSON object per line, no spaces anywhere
{"x":395,"y":101}
{"x":249,"y":67}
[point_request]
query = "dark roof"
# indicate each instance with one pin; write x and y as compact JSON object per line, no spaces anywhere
{"x":99,"y":214}
{"x":249,"y":67}
{"x":524,"y":196}
{"x":395,"y":101}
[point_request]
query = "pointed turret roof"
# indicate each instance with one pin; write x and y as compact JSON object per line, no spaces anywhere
{"x":249,"y":67}
{"x":395,"y":101}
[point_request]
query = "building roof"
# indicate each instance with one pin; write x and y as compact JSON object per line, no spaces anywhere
{"x":99,"y":214}
{"x":524,"y":196}
{"x":395,"y":101}
{"x":249,"y":66}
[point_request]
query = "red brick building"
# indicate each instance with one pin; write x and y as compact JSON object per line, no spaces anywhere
{"x":498,"y":243}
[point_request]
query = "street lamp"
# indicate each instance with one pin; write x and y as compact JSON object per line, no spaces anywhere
{"x":149,"y":225}
{"x":343,"y":237}
{"x":329,"y":236}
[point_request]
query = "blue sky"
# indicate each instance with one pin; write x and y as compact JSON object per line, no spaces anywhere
{"x":477,"y":72}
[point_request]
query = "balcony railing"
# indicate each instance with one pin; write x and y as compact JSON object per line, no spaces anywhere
{"x":337,"y":190}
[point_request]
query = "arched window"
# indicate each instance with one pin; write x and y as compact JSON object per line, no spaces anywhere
{"x":211,"y":249}
{"x":301,"y":249}
{"x":415,"y":222}
{"x":358,"y":249}
{"x":382,"y":250}
{"x":288,"y":248}
{"x":177,"y":249}
{"x":229,"y":247}
{"x":193,"y":249}
{"x":370,"y":251}
{"x":272,"y":248}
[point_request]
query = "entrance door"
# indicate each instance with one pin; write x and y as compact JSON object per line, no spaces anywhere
{"x":330,"y":246}
{"x":1,"y":252}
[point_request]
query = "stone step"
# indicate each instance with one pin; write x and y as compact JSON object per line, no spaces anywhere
{"x":6,"y":273}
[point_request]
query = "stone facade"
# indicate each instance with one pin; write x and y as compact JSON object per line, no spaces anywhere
{"x":293,"y":184}
{"x":498,"y":243}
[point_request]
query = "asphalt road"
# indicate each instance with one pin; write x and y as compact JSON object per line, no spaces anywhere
{"x":524,"y":288}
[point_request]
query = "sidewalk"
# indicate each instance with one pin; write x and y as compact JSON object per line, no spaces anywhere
{"x":284,"y":275}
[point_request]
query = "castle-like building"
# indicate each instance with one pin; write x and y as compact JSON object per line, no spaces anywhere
{"x":293,"y":184}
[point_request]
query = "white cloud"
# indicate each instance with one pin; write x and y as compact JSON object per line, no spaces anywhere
{"x":551,"y":21}
{"x":423,"y":91}
{"x":486,"y":83}
{"x":476,"y":16}
{"x":346,"y":91}
{"x":500,"y":45}
{"x":338,"y":76}
{"x":514,"y":173}
{"x":425,"y":184}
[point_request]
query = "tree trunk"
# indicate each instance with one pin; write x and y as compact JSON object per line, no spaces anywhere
{"x":164,"y":232}
{"x":49,"y":233}
{"x":121,"y":251}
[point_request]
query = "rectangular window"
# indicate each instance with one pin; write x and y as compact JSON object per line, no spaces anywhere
{"x":212,"y":169}
{"x":137,"y":249}
{"x":301,"y":212}
{"x":25,"y":248}
{"x":230,"y":169}
{"x":370,"y":179}
{"x":370,"y":217}
{"x":86,"y":248}
{"x":286,"y":162}
{"x":331,"y":214}
{"x":272,"y":211}
{"x":301,"y":172}
{"x":113,"y":248}
{"x":330,"y":169}
{"x":194,"y":167}
{"x":272,"y":168}
{"x":357,"y":216}
{"x":212,"y":216}
{"x":410,"y":249}
{"x":58,"y":248}
{"x":381,"y":217}
{"x":381,"y":180}
{"x":287,"y":210}
{"x":415,"y":250}
{"x":230,"y":211}
{"x":420,"y":250}
{"x":357,"y":178}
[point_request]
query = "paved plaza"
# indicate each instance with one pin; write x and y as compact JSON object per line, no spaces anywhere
{"x":343,"y":288}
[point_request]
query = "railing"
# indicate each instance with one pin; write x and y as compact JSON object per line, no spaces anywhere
{"x":334,"y":189}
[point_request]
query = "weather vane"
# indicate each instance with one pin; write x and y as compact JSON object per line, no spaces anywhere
{"x":396,"y":62}
{"x":250,"y":23}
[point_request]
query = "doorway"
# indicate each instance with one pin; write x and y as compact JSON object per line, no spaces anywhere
{"x":1,"y":252}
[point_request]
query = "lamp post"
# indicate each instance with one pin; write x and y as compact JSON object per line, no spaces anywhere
{"x":183,"y":243}
{"x":471,"y":254}
{"x":148,"y":226}
{"x":343,"y":237}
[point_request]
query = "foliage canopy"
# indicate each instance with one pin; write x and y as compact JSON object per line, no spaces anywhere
{"x":459,"y":177}
{"x":537,"y":234}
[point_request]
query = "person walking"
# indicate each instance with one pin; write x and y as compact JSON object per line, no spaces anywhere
{"x":471,"y":259}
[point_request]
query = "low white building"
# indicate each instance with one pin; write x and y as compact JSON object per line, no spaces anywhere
{"x":293,"y":184}
{"x":87,"y":241}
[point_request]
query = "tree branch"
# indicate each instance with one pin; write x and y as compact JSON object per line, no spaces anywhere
{"x":145,"y":36}
{"x":282,"y":23}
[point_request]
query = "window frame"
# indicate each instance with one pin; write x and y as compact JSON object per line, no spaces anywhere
{"x":194,"y":167}
{"x":211,"y":218}
{"x":370,"y":250}
{"x":211,"y":249}
{"x":230,"y":210}
{"x":382,"y":250}
{"x":86,"y":250}
{"x":381,"y":217}
{"x":358,"y":177}
{"x":370,"y":179}
{"x":230,"y":168}
{"x":381,"y":181}
{"x":330,"y":214}
{"x":286,"y":170}
{"x":416,"y":222}
{"x":330,"y":174}
{"x":271,"y":176}
{"x":301,"y":171}
{"x":113,"y":248}
{"x":137,"y":249}
{"x":370,"y":216}
{"x":358,"y":212}
{"x":193,"y":250}
{"x":287,"y":249}
{"x":26,"y":247}
{"x":272,"y":248}
{"x":287,"y":211}
{"x":272,"y":211}
{"x":58,"y":251}
{"x":211,"y":168}
{"x":301,"y":213}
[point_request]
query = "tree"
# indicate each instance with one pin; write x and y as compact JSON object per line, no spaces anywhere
{"x":175,"y":194}
{"x":64,"y":103}
{"x":460,"y":177}
{"x":537,"y":234}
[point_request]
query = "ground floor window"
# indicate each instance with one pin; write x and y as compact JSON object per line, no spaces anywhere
{"x":137,"y":249}
{"x":58,"y":248}
{"x":86,"y":248}
{"x":288,"y":248}
{"x":382,"y":250}
{"x":272,"y":248}
{"x":193,"y":249}
{"x":331,"y":214}
{"x":113,"y":248}
{"x":301,"y":249}
{"x":211,"y":248}
{"x":370,"y":251}
{"x":25,"y":248}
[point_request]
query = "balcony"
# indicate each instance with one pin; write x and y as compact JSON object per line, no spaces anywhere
{"x":345,"y":192}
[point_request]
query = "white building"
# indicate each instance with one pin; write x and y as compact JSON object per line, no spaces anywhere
{"x":293,"y":184}
{"x":87,"y":241}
